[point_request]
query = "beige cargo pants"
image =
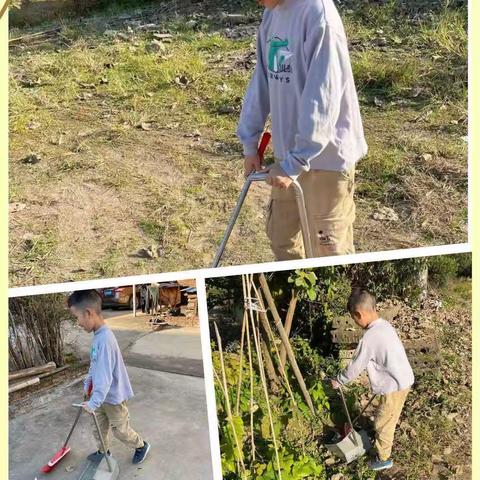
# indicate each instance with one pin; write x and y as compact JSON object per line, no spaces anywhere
{"x":331,"y":213}
{"x":117,"y":419}
{"x":386,"y":421}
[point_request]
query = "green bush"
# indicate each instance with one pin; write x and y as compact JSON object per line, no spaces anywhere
{"x":442,"y":269}
{"x":295,"y":428}
{"x":464,"y":265}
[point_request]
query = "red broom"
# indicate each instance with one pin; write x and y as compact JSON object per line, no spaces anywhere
{"x":53,"y":462}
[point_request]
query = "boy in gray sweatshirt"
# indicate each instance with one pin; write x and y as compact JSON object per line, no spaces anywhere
{"x":382,"y":354}
{"x":107,"y":386}
{"x":304,"y":79}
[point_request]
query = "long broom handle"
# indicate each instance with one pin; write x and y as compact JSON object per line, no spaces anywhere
{"x":348,"y":416}
{"x":253,"y":177}
{"x":110,"y":468}
{"x":90,"y":388}
{"x":364,"y":409}
{"x":80,"y":406}
{"x":261,"y":177}
{"x":73,"y":427}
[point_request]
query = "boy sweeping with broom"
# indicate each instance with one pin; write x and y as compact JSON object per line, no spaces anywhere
{"x":304,"y":79}
{"x":382,"y":354}
{"x":107,"y":378}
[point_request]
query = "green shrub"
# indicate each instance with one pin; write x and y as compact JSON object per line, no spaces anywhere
{"x":464,"y":265}
{"x":442,"y":269}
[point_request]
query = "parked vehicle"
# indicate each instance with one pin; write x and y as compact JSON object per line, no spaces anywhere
{"x":119,"y":297}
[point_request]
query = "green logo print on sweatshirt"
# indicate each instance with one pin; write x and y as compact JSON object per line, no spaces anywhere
{"x":278,"y":55}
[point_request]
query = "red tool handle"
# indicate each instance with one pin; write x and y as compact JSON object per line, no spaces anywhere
{"x":266,"y":137}
{"x":89,"y":392}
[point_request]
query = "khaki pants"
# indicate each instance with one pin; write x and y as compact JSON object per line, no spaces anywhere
{"x":117,"y":419}
{"x":330,"y":210}
{"x":386,"y":420}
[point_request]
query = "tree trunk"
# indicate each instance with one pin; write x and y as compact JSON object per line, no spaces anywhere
{"x":21,"y":385}
{"x":28,"y":372}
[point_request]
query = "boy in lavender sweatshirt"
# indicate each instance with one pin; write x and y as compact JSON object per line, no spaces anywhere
{"x":107,"y":378}
{"x":382,"y":354}
{"x":304,"y":80}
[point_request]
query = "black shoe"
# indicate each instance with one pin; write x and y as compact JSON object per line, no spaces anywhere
{"x":97,"y":456}
{"x":140,"y":453}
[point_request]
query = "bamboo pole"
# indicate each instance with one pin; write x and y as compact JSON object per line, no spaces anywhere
{"x":267,"y":324}
{"x":28,"y":372}
{"x":268,"y":362}
{"x":286,"y":342}
{"x":288,"y":325}
{"x":264,"y":342}
{"x":263,"y":380}
{"x":227,"y":400}
{"x":239,"y":386}
{"x":250,"y":364}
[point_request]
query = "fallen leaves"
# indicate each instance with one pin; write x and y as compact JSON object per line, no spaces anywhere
{"x":16,"y":207}
{"x":150,"y":253}
{"x":182,"y":81}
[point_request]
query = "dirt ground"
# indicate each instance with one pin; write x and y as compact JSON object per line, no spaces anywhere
{"x":119,"y":168}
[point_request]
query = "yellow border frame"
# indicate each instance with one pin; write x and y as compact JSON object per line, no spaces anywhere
{"x":474,"y":78}
{"x":4,"y":235}
{"x":474,"y":209}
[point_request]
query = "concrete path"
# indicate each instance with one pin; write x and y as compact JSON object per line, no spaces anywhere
{"x":168,"y":409}
{"x":174,"y":350}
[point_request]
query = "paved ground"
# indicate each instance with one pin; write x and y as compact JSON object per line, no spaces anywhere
{"x":174,"y":350}
{"x":168,"y":409}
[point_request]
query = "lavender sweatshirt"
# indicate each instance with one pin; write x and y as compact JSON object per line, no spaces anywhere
{"x":304,"y":79}
{"x":107,"y":371}
{"x":381,"y":352}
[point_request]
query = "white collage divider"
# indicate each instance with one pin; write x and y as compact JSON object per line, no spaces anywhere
{"x":203,"y":274}
{"x":242,"y":269}
{"x":208,"y":377}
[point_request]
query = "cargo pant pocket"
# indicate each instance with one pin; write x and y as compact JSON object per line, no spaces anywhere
{"x":333,"y":237}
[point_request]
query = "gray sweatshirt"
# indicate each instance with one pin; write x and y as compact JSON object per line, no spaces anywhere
{"x":304,"y":79}
{"x":107,"y":371}
{"x":381,"y":352}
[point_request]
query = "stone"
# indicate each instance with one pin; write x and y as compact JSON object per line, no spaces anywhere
{"x":156,"y":46}
{"x":386,"y":214}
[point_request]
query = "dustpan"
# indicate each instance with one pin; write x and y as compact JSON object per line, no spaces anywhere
{"x":353,"y":445}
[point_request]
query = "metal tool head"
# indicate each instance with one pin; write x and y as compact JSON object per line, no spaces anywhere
{"x":107,"y":468}
{"x":100,"y":470}
{"x":103,"y":471}
{"x":351,"y":447}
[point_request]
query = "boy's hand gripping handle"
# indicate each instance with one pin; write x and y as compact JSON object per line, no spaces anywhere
{"x":261,"y":177}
